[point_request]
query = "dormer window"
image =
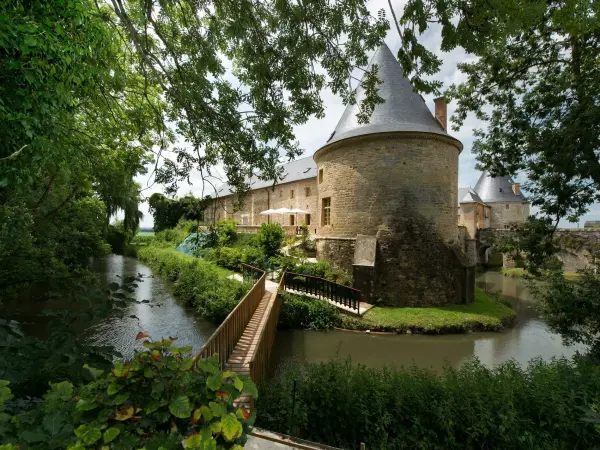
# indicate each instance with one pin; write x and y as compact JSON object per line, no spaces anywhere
{"x":501,"y":190}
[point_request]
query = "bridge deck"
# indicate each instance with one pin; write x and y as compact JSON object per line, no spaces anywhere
{"x":239,"y":361}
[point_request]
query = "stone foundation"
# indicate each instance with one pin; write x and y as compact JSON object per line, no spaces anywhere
{"x":338,"y":250}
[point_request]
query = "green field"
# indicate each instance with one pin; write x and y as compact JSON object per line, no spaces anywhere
{"x":145,"y":233}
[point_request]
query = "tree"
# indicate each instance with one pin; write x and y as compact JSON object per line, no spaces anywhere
{"x":278,"y":52}
{"x":535,"y":82}
{"x":73,"y":134}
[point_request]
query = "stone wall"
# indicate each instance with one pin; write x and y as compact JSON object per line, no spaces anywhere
{"x":338,"y":250}
{"x":577,"y":246}
{"x":401,"y":188}
{"x":270,"y":198}
{"x":503,"y":214}
{"x":374,"y":180}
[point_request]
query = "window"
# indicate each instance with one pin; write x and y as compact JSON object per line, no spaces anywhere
{"x":245,"y":220}
{"x":500,"y":189}
{"x":320,"y":176}
{"x":292,"y":193}
{"x":326,"y":212}
{"x":487,"y":213}
{"x":307,"y":192}
{"x":507,"y":206}
{"x":292,"y":220}
{"x":307,"y":219}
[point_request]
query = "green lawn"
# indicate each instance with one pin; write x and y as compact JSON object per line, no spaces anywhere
{"x":484,"y":314}
{"x":519,"y":272}
{"x":145,"y":233}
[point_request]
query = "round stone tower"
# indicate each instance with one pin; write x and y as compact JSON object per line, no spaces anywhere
{"x":395,"y":178}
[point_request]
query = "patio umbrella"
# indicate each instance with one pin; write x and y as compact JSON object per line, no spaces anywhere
{"x":268,"y":212}
{"x":297,"y":211}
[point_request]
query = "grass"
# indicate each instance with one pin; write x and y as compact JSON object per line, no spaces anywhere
{"x":519,"y":272}
{"x":145,"y":233}
{"x":484,"y":314}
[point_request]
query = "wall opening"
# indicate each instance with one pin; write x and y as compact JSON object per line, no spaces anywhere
{"x":307,"y":219}
{"x":292,"y":220}
{"x":320,"y":176}
{"x":326,"y":211}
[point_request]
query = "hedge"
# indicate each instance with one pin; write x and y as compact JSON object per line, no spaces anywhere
{"x":543,"y":406}
{"x":299,"y":311}
{"x":196,"y":282}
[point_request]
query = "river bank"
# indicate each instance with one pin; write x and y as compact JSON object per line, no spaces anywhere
{"x":529,"y":337}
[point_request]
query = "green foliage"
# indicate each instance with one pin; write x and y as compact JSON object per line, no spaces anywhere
{"x":227,"y":231}
{"x":64,"y":171}
{"x":118,"y":237}
{"x":196,"y":281}
{"x":230,"y":258}
{"x":160,"y":398}
{"x":270,"y":238}
{"x":571,"y":306}
{"x":171,"y":237}
{"x":247,"y":122}
{"x":341,"y":404}
{"x":298,"y":311}
{"x":321,"y":269}
{"x":168,"y":212}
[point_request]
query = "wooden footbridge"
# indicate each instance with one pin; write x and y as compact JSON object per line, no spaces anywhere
{"x":243,"y":341}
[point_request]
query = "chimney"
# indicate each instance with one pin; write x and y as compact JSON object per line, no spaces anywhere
{"x":441,"y":111}
{"x":516,"y":188}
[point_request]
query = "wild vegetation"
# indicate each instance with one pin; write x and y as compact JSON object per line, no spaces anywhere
{"x":162,"y":398}
{"x":547,"y":405}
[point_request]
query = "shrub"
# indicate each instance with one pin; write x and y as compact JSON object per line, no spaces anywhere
{"x":227,"y":231}
{"x":254,"y":256}
{"x":196,"y":282}
{"x":162,"y":398}
{"x":174,"y":236}
{"x":229,"y":257}
{"x":321,"y":269}
{"x":270,"y":238}
{"x":305,"y":312}
{"x":117,"y":238}
{"x":341,"y":404}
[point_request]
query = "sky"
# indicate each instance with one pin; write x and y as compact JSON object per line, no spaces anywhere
{"x":313,"y":134}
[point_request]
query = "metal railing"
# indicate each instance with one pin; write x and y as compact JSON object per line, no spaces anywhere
{"x":251,"y":273}
{"x":224,"y":340}
{"x":259,"y":363}
{"x":337,"y":293}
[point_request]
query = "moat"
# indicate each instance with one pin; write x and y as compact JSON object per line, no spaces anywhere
{"x":529,"y":338}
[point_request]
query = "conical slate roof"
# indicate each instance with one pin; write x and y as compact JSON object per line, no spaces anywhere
{"x":403,"y":110}
{"x":497,"y":189}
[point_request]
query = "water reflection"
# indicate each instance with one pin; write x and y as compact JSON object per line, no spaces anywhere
{"x":162,"y":317}
{"x":530,"y":337}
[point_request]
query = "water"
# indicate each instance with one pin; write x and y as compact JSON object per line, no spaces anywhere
{"x":529,"y":338}
{"x":162,"y":317}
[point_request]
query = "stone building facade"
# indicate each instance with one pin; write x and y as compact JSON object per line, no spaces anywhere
{"x":392,"y":182}
{"x":495,"y":202}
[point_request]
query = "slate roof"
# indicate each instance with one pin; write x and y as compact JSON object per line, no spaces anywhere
{"x":468,"y":195}
{"x":300,"y":169}
{"x":497,"y":189}
{"x":403,"y":110}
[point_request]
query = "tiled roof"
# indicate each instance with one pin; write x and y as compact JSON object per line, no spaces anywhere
{"x":468,"y":195}
{"x":403,"y":110}
{"x":497,"y":189}
{"x":297,"y":170}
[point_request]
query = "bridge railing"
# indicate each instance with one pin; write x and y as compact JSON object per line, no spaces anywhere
{"x":259,"y":363}
{"x":227,"y":335}
{"x":337,"y":293}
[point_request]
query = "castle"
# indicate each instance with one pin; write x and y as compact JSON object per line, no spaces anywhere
{"x":495,"y":202}
{"x":381,"y":198}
